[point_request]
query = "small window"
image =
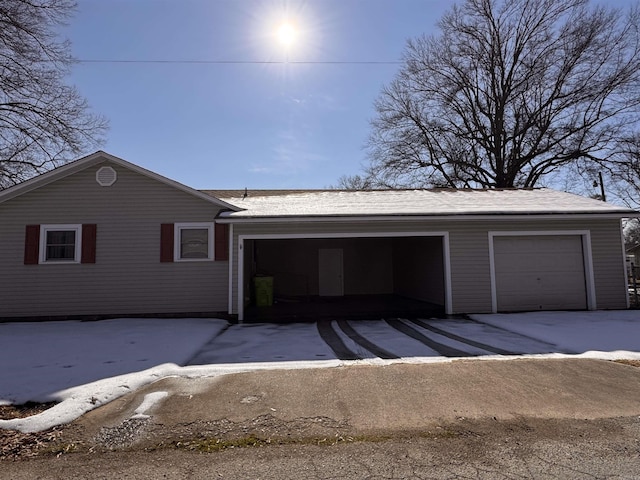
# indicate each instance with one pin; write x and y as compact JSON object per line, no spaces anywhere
{"x":60,"y":243}
{"x":193,"y":241}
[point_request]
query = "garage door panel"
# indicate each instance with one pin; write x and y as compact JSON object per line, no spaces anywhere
{"x":548,"y":263}
{"x":538,"y":243}
{"x":525,"y":285}
{"x":544,"y":263}
{"x":544,"y":268}
{"x":544,"y":272}
{"x":532,"y":303}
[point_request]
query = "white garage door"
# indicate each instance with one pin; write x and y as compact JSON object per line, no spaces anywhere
{"x":544,"y":272}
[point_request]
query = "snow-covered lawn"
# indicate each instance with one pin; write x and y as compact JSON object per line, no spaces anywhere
{"x":83,"y":365}
{"x":40,"y":361}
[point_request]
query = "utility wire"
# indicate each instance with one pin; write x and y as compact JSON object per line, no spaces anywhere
{"x":244,"y":62}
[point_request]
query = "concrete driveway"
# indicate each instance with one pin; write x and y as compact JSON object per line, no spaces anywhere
{"x":392,"y":338}
{"x":83,"y":365}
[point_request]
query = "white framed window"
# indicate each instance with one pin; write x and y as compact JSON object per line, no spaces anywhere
{"x":193,"y":242}
{"x":60,"y":243}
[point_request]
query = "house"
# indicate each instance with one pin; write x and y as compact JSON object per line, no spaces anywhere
{"x":633,"y":255}
{"x":103,"y":237}
{"x":633,"y":264}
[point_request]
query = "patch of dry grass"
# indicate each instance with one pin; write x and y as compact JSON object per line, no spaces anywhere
{"x":8,"y":412}
{"x":14,"y":444}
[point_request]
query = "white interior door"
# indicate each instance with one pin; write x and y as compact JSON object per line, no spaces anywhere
{"x":330,"y":268}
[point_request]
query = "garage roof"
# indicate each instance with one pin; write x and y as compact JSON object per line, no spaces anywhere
{"x":436,"y":202}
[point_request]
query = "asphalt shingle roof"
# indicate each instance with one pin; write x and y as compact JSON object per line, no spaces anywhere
{"x":316,"y":203}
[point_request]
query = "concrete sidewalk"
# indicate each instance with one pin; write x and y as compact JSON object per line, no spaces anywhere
{"x":388,"y":399}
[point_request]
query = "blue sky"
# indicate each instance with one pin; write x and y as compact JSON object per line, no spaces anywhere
{"x":242,"y":125}
{"x":237,"y":125}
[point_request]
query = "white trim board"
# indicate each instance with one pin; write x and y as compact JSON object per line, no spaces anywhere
{"x":586,"y":251}
{"x":464,"y":217}
{"x":42,"y":247}
{"x":230,"y":276}
{"x":274,"y":236}
{"x":177,"y":240}
{"x":624,"y":265}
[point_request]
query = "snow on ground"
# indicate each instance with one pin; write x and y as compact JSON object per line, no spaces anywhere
{"x":601,"y":334}
{"x":387,"y":338}
{"x":270,"y":342}
{"x":42,"y":359}
{"x":150,"y":400}
{"x":84,"y":365}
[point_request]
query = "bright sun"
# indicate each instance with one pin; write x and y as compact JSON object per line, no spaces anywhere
{"x":287,"y":34}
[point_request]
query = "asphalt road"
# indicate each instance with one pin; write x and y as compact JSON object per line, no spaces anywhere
{"x":564,"y":419}
{"x":519,"y":449}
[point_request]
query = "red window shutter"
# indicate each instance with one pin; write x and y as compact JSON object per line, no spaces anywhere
{"x":32,"y":245}
{"x":221,"y":246}
{"x":166,"y":242}
{"x":88,"y":243}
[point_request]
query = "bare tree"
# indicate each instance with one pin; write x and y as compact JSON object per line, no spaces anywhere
{"x":354,"y":182}
{"x":624,"y":171}
{"x":508,"y":93}
{"x":43,"y":121}
{"x":631,"y":233}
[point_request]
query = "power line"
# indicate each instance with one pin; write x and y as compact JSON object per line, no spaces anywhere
{"x":240,"y":62}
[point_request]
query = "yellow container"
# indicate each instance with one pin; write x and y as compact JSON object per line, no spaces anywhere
{"x":264,"y":291}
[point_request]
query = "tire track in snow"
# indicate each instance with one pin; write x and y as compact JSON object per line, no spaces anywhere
{"x":362,"y":341}
{"x":554,"y":347}
{"x":331,"y":338}
{"x":460,"y":339}
{"x":441,"y":348}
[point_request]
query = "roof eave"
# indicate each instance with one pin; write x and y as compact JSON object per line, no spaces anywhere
{"x":226,"y":218}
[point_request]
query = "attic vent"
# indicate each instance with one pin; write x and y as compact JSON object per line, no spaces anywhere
{"x":106,"y":176}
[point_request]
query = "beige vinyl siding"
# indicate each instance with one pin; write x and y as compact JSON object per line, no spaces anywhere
{"x":470,"y":272}
{"x":606,"y":253}
{"x":127,"y":277}
{"x":469,"y":251}
{"x":608,"y":265}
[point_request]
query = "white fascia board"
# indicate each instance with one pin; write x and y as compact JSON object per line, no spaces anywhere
{"x":285,"y":236}
{"x":230,"y":276}
{"x":48,"y":177}
{"x":169,"y":182}
{"x":173,"y":183}
{"x":405,"y":218}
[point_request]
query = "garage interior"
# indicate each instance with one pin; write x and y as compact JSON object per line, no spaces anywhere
{"x":355,"y":277}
